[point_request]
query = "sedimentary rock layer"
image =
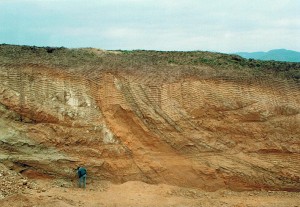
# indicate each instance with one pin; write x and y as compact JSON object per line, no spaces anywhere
{"x":152,"y":123}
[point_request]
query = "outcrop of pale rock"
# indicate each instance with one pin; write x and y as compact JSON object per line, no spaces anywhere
{"x":202,"y":132}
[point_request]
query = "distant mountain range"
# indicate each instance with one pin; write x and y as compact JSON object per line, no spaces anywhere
{"x":278,"y":55}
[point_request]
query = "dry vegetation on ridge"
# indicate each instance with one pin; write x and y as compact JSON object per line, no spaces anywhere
{"x":184,"y":63}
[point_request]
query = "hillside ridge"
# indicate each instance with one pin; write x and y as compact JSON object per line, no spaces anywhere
{"x":275,"y":54}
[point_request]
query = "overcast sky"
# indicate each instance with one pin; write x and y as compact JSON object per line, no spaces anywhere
{"x":212,"y":25}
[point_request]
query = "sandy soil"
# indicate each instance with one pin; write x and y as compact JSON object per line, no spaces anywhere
{"x":135,"y":193}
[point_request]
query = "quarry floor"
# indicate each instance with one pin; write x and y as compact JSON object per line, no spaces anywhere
{"x":54,"y":193}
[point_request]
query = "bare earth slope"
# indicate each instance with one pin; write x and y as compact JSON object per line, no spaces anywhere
{"x":198,"y":120}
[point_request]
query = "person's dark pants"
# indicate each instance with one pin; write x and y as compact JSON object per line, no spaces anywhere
{"x":82,"y":181}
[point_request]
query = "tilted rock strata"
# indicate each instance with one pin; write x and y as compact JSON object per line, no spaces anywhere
{"x":203,"y":132}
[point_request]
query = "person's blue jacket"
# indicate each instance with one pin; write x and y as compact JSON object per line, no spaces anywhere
{"x":81,"y":172}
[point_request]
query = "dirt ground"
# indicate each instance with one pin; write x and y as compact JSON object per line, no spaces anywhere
{"x":50,"y":193}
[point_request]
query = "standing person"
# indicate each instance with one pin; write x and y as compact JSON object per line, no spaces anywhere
{"x":81,"y":171}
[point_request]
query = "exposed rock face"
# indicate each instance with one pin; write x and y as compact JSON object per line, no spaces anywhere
{"x":205,"y":131}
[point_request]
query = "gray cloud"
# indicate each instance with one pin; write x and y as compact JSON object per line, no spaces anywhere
{"x":223,"y":25}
